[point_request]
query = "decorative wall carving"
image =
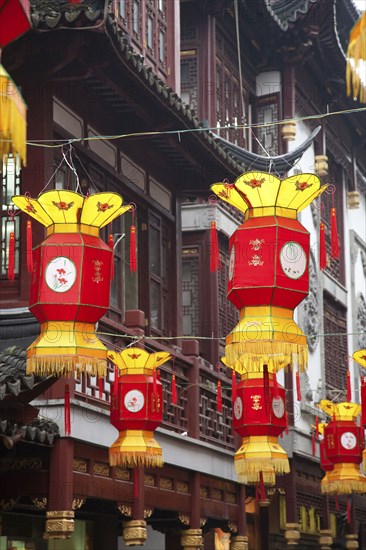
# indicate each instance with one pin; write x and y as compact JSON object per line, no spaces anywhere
{"x":80,"y":465}
{"x":363,"y":260}
{"x":182,"y":487}
{"x":311,"y":307}
{"x":149,"y":480}
{"x":101,"y":469}
{"x":361,"y":320}
{"x":77,"y":503}
{"x":120,"y":473}
{"x":166,"y":483}
{"x":125,"y":510}
{"x":148,"y":512}
{"x":41,"y":503}
{"x":184,"y":518}
{"x":28,"y":463}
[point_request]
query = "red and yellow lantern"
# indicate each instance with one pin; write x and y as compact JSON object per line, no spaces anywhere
{"x":259,"y":417}
{"x":343,"y":445}
{"x":136,"y":408}
{"x":268,"y":275}
{"x":70,"y":281}
{"x":360,"y":358}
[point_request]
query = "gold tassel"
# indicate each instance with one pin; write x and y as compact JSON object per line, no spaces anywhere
{"x":64,"y":365}
{"x":356,"y":55}
{"x":254,"y":354}
{"x":13,"y":125}
{"x":249,"y":466}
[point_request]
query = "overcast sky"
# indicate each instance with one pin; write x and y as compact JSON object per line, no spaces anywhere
{"x":361,"y":4}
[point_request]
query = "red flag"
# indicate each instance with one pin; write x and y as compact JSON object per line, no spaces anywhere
{"x":29,"y":247}
{"x":334,"y":239}
{"x":133,"y":254}
{"x":298,"y":386}
{"x":233,"y":385}
{"x":174,"y":390}
{"x":219,"y":397}
{"x":322,"y":248}
{"x":11,"y":257}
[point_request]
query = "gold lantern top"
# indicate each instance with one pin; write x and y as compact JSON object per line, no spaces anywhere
{"x":345,"y":411}
{"x":258,"y":194}
{"x":63,"y":211}
{"x":138,"y":361}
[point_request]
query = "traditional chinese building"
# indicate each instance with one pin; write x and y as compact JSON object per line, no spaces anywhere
{"x":96,"y":69}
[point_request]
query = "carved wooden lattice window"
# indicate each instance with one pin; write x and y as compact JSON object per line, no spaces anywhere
{"x":335,"y":266}
{"x":336,"y":350}
{"x":190,"y":288}
{"x":10,"y":185}
{"x":229,"y":314}
{"x":266,"y":110}
{"x":188,"y":71}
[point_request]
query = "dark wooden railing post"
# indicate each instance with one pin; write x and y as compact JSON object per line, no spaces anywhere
{"x":190,"y":348}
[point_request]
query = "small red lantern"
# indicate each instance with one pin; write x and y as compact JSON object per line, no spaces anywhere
{"x":343,"y":445}
{"x":259,"y":416}
{"x":70,"y":282}
{"x":136,"y":408}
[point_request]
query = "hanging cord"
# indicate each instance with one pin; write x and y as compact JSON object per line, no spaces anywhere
{"x":52,"y":176}
{"x":71,"y":165}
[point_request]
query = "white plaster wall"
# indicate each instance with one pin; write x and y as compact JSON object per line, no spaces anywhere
{"x":268,"y":82}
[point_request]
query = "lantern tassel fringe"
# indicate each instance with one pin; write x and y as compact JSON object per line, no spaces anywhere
{"x":254,"y":355}
{"x":135,"y":448}
{"x":135,"y":459}
{"x":248,"y":466}
{"x":343,"y":487}
{"x":64,"y":365}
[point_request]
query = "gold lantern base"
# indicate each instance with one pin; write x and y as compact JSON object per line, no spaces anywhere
{"x":65,"y":348}
{"x":266,"y":336}
{"x":134,"y":532}
{"x":344,"y":479}
{"x":135,"y":448}
{"x":260,"y":453}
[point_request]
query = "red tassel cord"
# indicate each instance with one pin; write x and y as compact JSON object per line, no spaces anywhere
{"x":313,"y":444}
{"x":11,"y":257}
{"x":263,"y":493}
{"x":334,"y":239}
{"x":219,"y":397}
{"x":276,"y":393}
{"x":174,"y":390}
{"x":266,"y":388}
{"x":363,"y":401}
{"x":29,"y":247}
{"x":349,"y":389}
{"x":100,"y":386}
{"x":215,"y":261}
{"x":298,"y":386}
{"x":317,"y":427}
{"x":111,"y":246}
{"x":233,"y":385}
{"x":322,"y":248}
{"x":67,"y":412}
{"x":133,"y":253}
{"x":155,"y":385}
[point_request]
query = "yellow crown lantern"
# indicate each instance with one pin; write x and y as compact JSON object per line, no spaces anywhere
{"x":136,"y":408}
{"x":343,"y":444}
{"x":268,"y":274}
{"x":70,"y":280}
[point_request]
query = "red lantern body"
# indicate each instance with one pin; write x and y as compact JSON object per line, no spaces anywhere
{"x":134,"y":405}
{"x":363,"y":401}
{"x":268,"y":263}
{"x":343,"y":442}
{"x":73,"y":268}
{"x":255,"y":413}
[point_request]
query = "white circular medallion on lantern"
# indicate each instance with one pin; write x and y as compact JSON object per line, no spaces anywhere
{"x":278,"y":407}
{"x":232,"y":263}
{"x":348,"y":440}
{"x":293,"y":260}
{"x":238,"y":407}
{"x":134,"y":401}
{"x":60,"y":274}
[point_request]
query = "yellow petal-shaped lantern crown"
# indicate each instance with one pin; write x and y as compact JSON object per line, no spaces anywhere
{"x":346,"y":411}
{"x":261,"y":194}
{"x":68,"y":211}
{"x":360,"y":357}
{"x":137,"y":360}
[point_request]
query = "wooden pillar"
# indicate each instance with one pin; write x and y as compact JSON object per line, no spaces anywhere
{"x":191,"y":538}
{"x":105,"y":532}
{"x":240,"y":540}
{"x":264,"y":523}
{"x":207,"y":97}
{"x":191,"y":348}
{"x":292,"y":532}
{"x":60,"y":515}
